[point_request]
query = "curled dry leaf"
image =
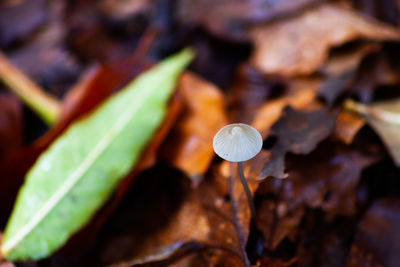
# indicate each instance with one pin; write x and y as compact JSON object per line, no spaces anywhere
{"x":300,"y":45}
{"x":376,"y":241}
{"x":189,"y":145}
{"x":298,"y":132}
{"x":384,"y":118}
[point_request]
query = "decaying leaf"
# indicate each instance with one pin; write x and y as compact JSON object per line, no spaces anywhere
{"x":59,"y":195}
{"x":300,"y":45}
{"x":189,"y":146}
{"x":298,"y":132}
{"x":376,"y":242}
{"x":384,"y":118}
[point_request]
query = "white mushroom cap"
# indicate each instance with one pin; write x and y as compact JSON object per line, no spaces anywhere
{"x":237,"y":142}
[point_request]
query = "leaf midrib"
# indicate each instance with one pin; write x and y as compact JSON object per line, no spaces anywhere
{"x":75,"y":176}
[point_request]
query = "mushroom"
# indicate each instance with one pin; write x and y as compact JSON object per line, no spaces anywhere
{"x":239,"y":142}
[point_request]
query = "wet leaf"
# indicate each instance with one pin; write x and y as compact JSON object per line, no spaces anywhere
{"x":189,"y":146}
{"x":62,"y":191}
{"x":299,"y":45}
{"x":376,"y":240}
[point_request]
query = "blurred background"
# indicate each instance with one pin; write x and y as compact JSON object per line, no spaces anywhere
{"x":340,"y":202}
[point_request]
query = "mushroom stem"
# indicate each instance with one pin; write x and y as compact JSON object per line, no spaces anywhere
{"x":247,"y":191}
{"x":235,"y":211}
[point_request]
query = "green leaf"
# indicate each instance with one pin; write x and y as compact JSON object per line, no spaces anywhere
{"x":80,"y":170}
{"x":384,"y":118}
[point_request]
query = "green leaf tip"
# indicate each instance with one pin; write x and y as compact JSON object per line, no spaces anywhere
{"x":80,"y":170}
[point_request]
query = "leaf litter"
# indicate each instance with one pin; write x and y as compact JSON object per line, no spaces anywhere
{"x":254,"y":65}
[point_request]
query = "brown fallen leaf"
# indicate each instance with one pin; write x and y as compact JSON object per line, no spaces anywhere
{"x":341,"y":69}
{"x":298,"y":132}
{"x":300,"y":45}
{"x":182,"y":214}
{"x":347,"y":126}
{"x":121,"y":10}
{"x":249,"y":93}
{"x":325,"y":179}
{"x":168,"y":255}
{"x":10,"y":125}
{"x":384,"y":118}
{"x":300,"y":94}
{"x":189,"y":145}
{"x":376,"y":241}
{"x":230,"y":19}
{"x":377,"y":73}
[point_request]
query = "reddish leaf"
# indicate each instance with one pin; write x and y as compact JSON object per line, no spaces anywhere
{"x":300,"y":45}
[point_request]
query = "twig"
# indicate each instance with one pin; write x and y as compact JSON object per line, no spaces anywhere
{"x":236,"y":219}
{"x":46,"y":106}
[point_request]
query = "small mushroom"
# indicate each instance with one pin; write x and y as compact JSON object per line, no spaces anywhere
{"x":239,"y":142}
